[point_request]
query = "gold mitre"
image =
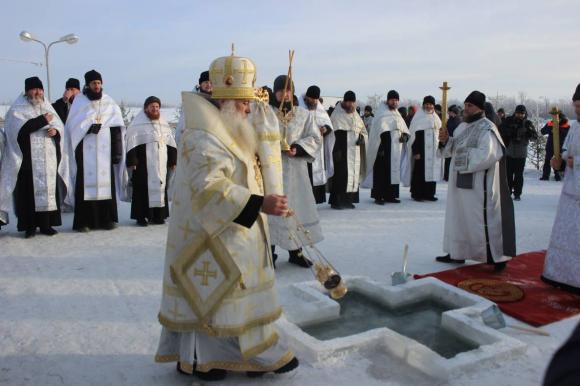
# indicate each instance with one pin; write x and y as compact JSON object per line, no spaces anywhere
{"x":233,"y":77}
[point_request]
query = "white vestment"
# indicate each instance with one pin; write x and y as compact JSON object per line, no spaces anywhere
{"x":353,"y":124}
{"x":430,"y":124}
{"x":302,"y":131}
{"x":219,"y":299}
{"x":562,"y":264}
{"x":96,"y":148}
{"x":43,"y":154}
{"x":323,"y":165}
{"x":156,"y":136}
{"x":476,"y":150}
{"x":391,"y":121}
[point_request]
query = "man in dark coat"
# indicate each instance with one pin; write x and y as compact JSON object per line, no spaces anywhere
{"x":62,"y":106}
{"x":453,"y":121}
{"x":516,"y":132}
{"x":547,"y":130}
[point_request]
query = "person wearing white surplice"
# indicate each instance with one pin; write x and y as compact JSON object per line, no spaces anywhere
{"x":426,"y":159}
{"x":95,"y":132}
{"x":323,"y":167}
{"x":348,"y":154}
{"x":29,"y":171}
{"x":387,"y":152}
{"x":299,"y":132}
{"x":562,"y":265}
{"x":204,"y":89}
{"x":479,"y":216}
{"x":219,"y":300}
{"x":151,"y":155}
{"x":3,"y":215}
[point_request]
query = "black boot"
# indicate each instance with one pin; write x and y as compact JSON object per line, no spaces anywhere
{"x":447,"y":259}
{"x":498,"y":267}
{"x":212,"y":375}
{"x":50,"y":231}
{"x":296,"y":257}
{"x":30,"y":233}
{"x":274,"y":256}
{"x":284,"y":369}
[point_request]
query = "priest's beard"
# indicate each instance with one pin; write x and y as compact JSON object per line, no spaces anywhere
{"x":153,"y":116}
{"x":35,"y":101}
{"x":94,"y":96}
{"x":349,"y":110}
{"x":310,"y":105}
{"x":239,"y":128}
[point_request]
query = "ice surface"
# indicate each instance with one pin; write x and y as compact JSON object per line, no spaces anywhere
{"x":81,"y":309}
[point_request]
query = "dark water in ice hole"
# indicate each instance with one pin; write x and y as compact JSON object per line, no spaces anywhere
{"x":420,"y":321}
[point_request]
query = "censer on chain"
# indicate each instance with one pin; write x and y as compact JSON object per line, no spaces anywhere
{"x":322,"y":269}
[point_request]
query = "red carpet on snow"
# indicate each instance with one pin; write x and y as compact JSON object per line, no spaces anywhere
{"x":542,"y":303}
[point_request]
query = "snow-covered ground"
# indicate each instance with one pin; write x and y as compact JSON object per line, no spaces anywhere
{"x":81,"y":309}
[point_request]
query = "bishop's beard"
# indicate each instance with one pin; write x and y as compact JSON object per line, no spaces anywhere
{"x":239,"y":128}
{"x":93,"y":96}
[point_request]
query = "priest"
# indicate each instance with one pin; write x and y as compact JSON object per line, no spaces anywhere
{"x":29,"y":170}
{"x":219,"y":300}
{"x":479,"y":217}
{"x":348,"y":154}
{"x":426,"y":158}
{"x":3,"y":215}
{"x":62,"y":106}
{"x":301,"y":142}
{"x":151,"y":156}
{"x":95,"y":133}
{"x":323,"y":167}
{"x":204,"y":88}
{"x":562,"y":265}
{"x":387,"y":152}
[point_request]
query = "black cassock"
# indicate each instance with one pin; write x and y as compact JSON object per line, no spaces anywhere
{"x":319,"y":192}
{"x":421,"y":189}
{"x":28,"y":217}
{"x":62,"y":109}
{"x":338,"y":195}
{"x":97,"y":214}
{"x":140,"y":209}
{"x":382,"y":189}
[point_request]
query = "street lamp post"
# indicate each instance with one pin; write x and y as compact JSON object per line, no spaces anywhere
{"x":28,"y":37}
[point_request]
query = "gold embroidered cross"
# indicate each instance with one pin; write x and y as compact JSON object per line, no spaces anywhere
{"x":205,"y":273}
{"x":245,"y":71}
{"x":186,"y":229}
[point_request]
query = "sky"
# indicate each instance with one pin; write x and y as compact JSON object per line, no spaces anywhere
{"x":159,"y":48}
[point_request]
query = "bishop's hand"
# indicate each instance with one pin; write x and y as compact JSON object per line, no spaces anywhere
{"x":275,"y":205}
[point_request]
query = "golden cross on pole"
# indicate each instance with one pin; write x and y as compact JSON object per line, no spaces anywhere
{"x":444,"y":89}
{"x":555,"y":113}
{"x":205,"y":273}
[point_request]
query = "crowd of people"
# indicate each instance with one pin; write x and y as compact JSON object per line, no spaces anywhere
{"x":231,"y":198}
